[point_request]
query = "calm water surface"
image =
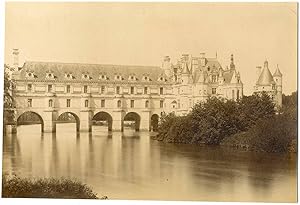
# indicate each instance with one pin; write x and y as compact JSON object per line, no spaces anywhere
{"x":130,"y":165}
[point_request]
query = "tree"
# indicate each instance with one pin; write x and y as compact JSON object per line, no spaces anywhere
{"x":8,"y":98}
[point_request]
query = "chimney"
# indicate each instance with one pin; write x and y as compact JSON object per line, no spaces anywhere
{"x":258,"y":71}
{"x":167,"y":59}
{"x":202,"y":59}
{"x":16,"y":58}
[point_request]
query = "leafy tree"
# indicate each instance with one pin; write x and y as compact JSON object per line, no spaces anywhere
{"x":8,"y":98}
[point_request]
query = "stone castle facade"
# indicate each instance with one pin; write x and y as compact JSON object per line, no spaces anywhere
{"x":120,"y":92}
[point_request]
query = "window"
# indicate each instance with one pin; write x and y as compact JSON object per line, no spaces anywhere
{"x":214,"y":90}
{"x":102,"y":103}
{"x":29,"y":87}
{"x":273,"y":87}
{"x":161,"y":91}
{"x":119,"y":103}
{"x":131,"y":90}
{"x":145,"y":90}
{"x":213,"y":78}
{"x":146,"y":104}
{"x":50,"y":104}
{"x":102,"y":89}
{"x":85,"y":88}
{"x":233,"y":94}
{"x":132,"y":103}
{"x":238,"y":94}
{"x":29,"y":102}
{"x":190,"y":102}
{"x":86,"y":103}
{"x":118,"y":89}
{"x":68,"y":102}
{"x":161,"y":104}
{"x":68,"y":88}
{"x":49,"y":88}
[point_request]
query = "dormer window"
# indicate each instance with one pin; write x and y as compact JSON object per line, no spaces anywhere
{"x":49,"y":75}
{"x":118,"y":77}
{"x":132,"y":78}
{"x":103,"y":76}
{"x":68,"y":75}
{"x":161,"y":79}
{"x":146,"y":78}
{"x":29,"y":75}
{"x":86,"y":76}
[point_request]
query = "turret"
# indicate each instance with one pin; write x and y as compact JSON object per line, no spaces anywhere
{"x":232,"y":66}
{"x":277,"y":76}
{"x":185,"y":73}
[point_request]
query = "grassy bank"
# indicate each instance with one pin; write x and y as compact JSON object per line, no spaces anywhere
{"x":16,"y":187}
{"x":250,"y":123}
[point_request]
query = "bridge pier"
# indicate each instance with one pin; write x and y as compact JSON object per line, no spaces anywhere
{"x":85,"y":121}
{"x":49,"y":122}
{"x":117,"y":120}
{"x":145,"y":120}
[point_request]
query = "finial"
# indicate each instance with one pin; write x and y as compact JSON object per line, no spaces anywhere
{"x":216,"y":54}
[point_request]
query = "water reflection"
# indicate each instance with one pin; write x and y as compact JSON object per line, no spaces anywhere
{"x":130,"y":165}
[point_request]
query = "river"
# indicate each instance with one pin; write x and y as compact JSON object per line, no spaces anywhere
{"x":130,"y":165}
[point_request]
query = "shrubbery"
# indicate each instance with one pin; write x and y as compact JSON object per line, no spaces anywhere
{"x":215,"y":120}
{"x":16,"y":187}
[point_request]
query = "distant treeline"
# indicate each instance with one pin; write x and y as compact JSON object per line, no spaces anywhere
{"x":250,"y":122}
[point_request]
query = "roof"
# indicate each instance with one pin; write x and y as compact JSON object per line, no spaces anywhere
{"x":277,"y":73}
{"x":59,"y":70}
{"x":265,"y":77}
{"x":227,"y":75}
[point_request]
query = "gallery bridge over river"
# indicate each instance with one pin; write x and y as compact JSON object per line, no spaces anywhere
{"x":115,"y":120}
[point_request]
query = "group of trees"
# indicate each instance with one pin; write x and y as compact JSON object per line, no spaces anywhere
{"x":216,"y":119}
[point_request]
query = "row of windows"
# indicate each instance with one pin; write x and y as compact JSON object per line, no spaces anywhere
{"x":86,"y":103}
{"x":85,"y":89}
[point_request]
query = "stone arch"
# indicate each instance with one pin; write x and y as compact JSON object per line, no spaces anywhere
{"x":103,"y":116}
{"x":67,"y":117}
{"x":154,"y":122}
{"x":30,"y":117}
{"x":132,"y":116}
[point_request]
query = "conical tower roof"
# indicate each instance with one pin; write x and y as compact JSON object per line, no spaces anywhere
{"x":277,"y":72}
{"x":265,"y":77}
{"x":185,"y":69}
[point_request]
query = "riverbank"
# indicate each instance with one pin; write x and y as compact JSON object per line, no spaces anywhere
{"x":250,"y":123}
{"x":17,"y":187}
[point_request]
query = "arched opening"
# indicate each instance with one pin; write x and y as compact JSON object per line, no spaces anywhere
{"x":102,"y":119}
{"x":131,"y":121}
{"x":30,"y":118}
{"x":69,"y":117}
{"x":154,"y":122}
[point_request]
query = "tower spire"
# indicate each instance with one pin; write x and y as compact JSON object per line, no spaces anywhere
{"x":232,"y":66}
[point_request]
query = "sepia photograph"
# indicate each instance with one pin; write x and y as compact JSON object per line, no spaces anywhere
{"x":161,"y":101}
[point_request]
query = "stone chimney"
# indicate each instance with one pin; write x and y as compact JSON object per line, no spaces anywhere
{"x":166,"y":66}
{"x":202,"y":59}
{"x":258,"y":71}
{"x":16,"y":58}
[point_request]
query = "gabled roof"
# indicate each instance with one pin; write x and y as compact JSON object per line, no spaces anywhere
{"x":94,"y":70}
{"x":227,"y":75}
{"x":265,"y":77}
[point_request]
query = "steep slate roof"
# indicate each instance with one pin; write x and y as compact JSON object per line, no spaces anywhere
{"x":94,"y":70}
{"x":265,"y":77}
{"x":277,"y":72}
{"x":227,"y":75}
{"x":212,"y":62}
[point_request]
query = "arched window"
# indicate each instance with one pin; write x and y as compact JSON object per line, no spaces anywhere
{"x":50,"y":103}
{"x":119,"y":103}
{"x":146,"y":104}
{"x":86,"y":103}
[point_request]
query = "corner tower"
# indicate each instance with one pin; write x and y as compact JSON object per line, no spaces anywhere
{"x":277,"y":76}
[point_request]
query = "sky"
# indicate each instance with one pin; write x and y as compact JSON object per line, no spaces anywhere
{"x":142,"y":33}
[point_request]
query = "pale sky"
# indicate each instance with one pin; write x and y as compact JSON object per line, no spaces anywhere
{"x":142,"y":33}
